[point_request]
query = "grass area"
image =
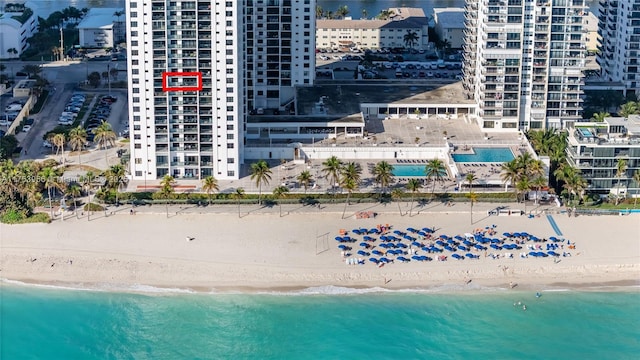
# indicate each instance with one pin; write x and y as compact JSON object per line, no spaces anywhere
{"x":93,"y":207}
{"x":12,"y":217}
{"x":41,"y":100}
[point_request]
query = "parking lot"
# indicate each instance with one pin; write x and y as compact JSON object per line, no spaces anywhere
{"x":405,"y":66}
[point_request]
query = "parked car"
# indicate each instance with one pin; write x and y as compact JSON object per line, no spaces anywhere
{"x":47,"y":144}
{"x":26,"y":128}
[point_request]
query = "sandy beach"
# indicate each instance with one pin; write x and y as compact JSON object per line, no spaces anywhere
{"x":265,"y":251}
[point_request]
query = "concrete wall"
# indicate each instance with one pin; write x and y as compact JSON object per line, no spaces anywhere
{"x":26,"y":110}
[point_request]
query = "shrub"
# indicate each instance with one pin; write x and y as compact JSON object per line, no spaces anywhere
{"x":14,"y":217}
{"x":93,"y":207}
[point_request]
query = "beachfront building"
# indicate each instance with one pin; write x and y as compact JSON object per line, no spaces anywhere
{"x":197,"y":68}
{"x":17,"y":24}
{"x":349,"y":34}
{"x":280,"y":52}
{"x":596,"y":148}
{"x":523,"y":62}
{"x":101,"y":28}
{"x":449,"y":25}
{"x":619,"y":53}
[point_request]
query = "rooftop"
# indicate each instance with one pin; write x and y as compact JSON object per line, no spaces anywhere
{"x":355,"y":118}
{"x":449,"y":18}
{"x":403,"y":18}
{"x":346,"y":99}
{"x":99,"y":18}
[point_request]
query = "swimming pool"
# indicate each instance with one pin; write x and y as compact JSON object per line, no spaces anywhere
{"x":411,"y":171}
{"x":485,"y":155}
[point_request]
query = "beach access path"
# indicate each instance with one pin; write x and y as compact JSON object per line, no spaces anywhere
{"x":213,"y":248}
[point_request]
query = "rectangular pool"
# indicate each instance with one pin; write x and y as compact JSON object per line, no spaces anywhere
{"x":499,"y":155}
{"x":411,"y":171}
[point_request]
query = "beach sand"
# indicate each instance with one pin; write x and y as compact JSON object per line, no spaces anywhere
{"x":264,"y":251}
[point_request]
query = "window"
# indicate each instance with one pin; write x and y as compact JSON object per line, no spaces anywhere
{"x":229,"y":108}
{"x":138,"y":173}
{"x":229,"y":136}
{"x":230,"y":146}
{"x":137,"y":146}
{"x":138,"y":160}
{"x":231,"y":160}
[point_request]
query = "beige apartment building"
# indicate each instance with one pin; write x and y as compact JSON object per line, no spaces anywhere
{"x":374,"y":33}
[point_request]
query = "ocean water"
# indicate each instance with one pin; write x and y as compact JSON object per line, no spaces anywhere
{"x":40,"y":323}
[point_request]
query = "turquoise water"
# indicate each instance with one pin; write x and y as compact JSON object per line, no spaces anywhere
{"x":485,"y":155}
{"x":411,"y":171}
{"x":65,"y":324}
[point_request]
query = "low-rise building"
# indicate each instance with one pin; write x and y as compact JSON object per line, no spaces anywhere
{"x":23,"y":88}
{"x":449,"y":25}
{"x":376,"y":33}
{"x":596,"y":148}
{"x":17,"y":24}
{"x":101,"y":27}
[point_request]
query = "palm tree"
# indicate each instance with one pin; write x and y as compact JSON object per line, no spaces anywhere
{"x":115,"y":178}
{"x":473,"y":198}
{"x":396,"y":194}
{"x":58,"y":140}
{"x":342,"y":11}
{"x":319,"y":12}
{"x":77,"y":139}
{"x":470,"y":178}
{"x":238,"y":195}
{"x":435,"y":170}
{"x":352,"y":171}
{"x":538,"y":183}
{"x":87,"y":183}
{"x":51,"y":179}
{"x":522,"y":186}
{"x":279,"y":193}
{"x":305,"y":178}
{"x":385,"y":15}
{"x":600,"y":116}
{"x":628,"y":108}
{"x":383,"y":174}
{"x":621,"y":169}
{"x":636,"y":178}
{"x":364,"y":14}
{"x":261,"y":174}
{"x":209,"y":185}
{"x":74,"y":191}
{"x":510,"y":173}
{"x":413,"y":185}
{"x":331,"y":170}
{"x":104,"y":137}
{"x":350,"y":185}
{"x":410,"y":38}
{"x":167,"y":190}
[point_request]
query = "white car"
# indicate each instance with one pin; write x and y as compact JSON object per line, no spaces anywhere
{"x":26,"y":128}
{"x":46,"y":144}
{"x":4,"y":122}
{"x":324,"y":57}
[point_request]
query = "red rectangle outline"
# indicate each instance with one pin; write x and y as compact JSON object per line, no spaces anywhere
{"x":166,"y":75}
